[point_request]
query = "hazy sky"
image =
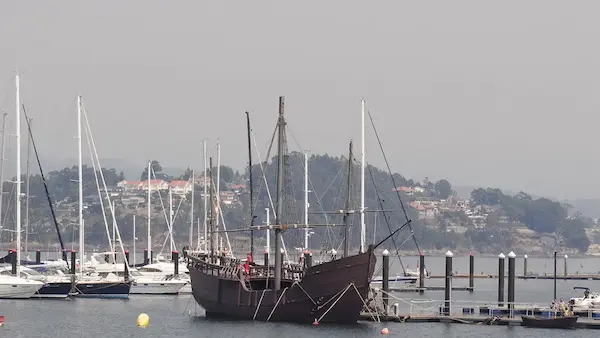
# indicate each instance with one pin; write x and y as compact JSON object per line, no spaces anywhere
{"x":503,"y":93}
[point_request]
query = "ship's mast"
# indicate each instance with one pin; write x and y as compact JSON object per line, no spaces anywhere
{"x":363,"y":228}
{"x":250,"y":184}
{"x":205,"y":200}
{"x":306,"y":199}
{"x":212,"y":214}
{"x":149,"y":234}
{"x":279,"y":213}
{"x":348,"y":211}
{"x":192,"y":211}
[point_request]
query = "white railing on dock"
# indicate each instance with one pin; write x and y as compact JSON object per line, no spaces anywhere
{"x":465,"y":308}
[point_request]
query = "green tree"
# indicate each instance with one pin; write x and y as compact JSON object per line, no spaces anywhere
{"x":227,"y":173}
{"x":443,"y":189}
{"x":156,"y":168}
{"x":186,"y":175}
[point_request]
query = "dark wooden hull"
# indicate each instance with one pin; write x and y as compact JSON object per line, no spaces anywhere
{"x":550,"y":323}
{"x":344,"y":282}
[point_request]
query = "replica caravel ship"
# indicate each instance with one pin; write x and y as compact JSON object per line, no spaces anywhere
{"x":332,"y":291}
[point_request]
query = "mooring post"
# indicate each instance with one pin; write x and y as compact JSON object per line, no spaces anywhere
{"x":13,"y":261}
{"x":501,"y":280}
{"x":566,"y":265}
{"x":385,"y":282}
{"x":309,"y":259}
{"x":422,"y":273}
{"x":175,"y":256}
{"x":266,"y":259}
{"x":511,"y":283}
{"x":525,"y":265}
{"x":73,"y":258}
{"x":146,"y":261}
{"x":38,"y":257}
{"x":471,"y":272}
{"x":448,"y":286}
{"x":126,"y":265}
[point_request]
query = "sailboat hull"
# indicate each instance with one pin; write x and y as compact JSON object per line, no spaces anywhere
{"x":156,"y":287}
{"x":54,"y":290}
{"x":329,"y":292}
{"x":103,"y":289}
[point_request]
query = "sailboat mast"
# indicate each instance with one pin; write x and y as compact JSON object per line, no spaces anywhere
{"x":306,"y":199}
{"x":250,"y":183}
{"x":30,"y":121}
{"x":363,"y":229}
{"x":205,"y":201}
{"x":114,"y":234}
{"x":212,"y":216}
{"x":280,"y":173}
{"x":133,"y":241}
{"x":192,"y":211}
{"x":347,"y":213}
{"x":149,"y":235}
{"x":18,"y":182}
{"x":171,"y":218}
{"x":2,"y":163}
{"x":80,"y":182}
{"x":218,"y":194}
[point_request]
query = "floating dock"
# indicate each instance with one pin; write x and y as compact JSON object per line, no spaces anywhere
{"x":547,"y":277}
{"x":429,"y":288}
{"x":582,"y":323}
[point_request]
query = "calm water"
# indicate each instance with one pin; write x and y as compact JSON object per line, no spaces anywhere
{"x":179,"y":316}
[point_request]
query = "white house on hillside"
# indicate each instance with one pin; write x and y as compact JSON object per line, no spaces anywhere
{"x":181,"y":187}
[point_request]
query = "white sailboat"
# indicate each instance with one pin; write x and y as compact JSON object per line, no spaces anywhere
{"x":86,"y":285}
{"x":153,"y":278}
{"x":15,"y":286}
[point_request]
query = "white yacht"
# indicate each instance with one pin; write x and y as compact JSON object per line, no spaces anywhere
{"x":17,"y":287}
{"x":167,"y":270}
{"x":142,"y":284}
{"x":53,"y":286}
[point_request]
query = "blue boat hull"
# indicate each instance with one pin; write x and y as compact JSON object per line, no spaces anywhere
{"x":54,"y":290}
{"x":112,"y":290}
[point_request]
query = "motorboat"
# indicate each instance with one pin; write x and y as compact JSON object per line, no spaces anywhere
{"x":18,"y":288}
{"x":167,"y":270}
{"x":410,"y":277}
{"x":54,"y":286}
{"x":141,"y":284}
{"x":589,"y":301}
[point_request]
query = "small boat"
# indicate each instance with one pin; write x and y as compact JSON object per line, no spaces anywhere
{"x":566,"y":322}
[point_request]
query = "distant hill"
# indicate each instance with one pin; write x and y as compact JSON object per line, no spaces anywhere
{"x":130,"y":169}
{"x":587,"y":206}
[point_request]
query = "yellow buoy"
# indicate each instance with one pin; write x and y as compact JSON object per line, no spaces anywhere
{"x":143,"y":320}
